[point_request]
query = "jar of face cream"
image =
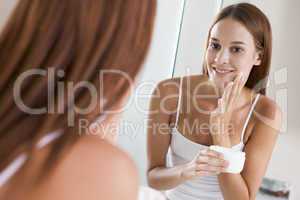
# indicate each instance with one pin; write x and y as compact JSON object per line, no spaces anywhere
{"x":235,"y":158}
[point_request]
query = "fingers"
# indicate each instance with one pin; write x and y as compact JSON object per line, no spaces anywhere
{"x":210,"y":168}
{"x":221,"y":107}
{"x":212,"y":158}
{"x":238,"y":84}
{"x":227,"y":93}
{"x":235,"y":91}
{"x":212,"y":153}
{"x":205,"y":173}
{"x":208,"y":162}
{"x":194,"y":170}
{"x":203,"y":169}
{"x":211,"y":161}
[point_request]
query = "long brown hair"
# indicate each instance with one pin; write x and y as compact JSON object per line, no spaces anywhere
{"x":80,"y":38}
{"x":259,"y":26}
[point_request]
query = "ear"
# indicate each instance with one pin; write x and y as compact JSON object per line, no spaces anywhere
{"x":258,"y":58}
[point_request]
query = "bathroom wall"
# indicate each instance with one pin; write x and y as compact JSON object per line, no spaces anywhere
{"x":158,"y":66}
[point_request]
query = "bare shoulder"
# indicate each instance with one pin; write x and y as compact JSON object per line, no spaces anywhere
{"x":166,"y":92}
{"x":92,"y":169}
{"x":268,"y":112}
{"x":171,"y":85}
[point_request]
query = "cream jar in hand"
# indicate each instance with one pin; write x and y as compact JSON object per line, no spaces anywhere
{"x":235,"y":158}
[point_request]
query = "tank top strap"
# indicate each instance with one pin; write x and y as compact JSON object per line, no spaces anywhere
{"x":178,"y":102}
{"x":249,"y":116}
{"x":48,"y":139}
{"x":18,"y":162}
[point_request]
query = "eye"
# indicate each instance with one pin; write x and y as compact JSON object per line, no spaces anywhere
{"x":214,"y":45}
{"x":237,"y":49}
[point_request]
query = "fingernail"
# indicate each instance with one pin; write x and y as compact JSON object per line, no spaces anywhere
{"x":202,"y":152}
{"x":220,"y":101}
{"x":241,"y":75}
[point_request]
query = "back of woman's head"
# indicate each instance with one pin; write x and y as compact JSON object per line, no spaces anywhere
{"x":48,"y":47}
{"x":259,"y":26}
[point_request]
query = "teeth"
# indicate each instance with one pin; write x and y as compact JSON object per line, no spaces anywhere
{"x":222,"y":71}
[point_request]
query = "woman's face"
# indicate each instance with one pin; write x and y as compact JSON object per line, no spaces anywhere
{"x":231,"y":50}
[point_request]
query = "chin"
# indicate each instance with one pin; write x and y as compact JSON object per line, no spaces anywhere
{"x":221,"y":82}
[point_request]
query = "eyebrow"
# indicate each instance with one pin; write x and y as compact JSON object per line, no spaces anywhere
{"x":238,"y":42}
{"x":234,"y":42}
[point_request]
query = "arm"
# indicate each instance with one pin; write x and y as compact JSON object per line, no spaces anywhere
{"x":163,"y":99}
{"x":258,"y":150}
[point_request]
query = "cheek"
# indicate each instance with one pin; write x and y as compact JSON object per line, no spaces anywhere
{"x":246,"y":71}
{"x":243,"y":63}
{"x":209,"y":57}
{"x":244,"y":66}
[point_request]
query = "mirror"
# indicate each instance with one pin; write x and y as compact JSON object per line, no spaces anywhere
{"x":178,"y":50}
{"x":282,"y":86}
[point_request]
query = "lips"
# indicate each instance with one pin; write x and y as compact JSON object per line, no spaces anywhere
{"x":220,"y":70}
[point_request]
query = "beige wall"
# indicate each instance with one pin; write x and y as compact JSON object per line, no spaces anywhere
{"x":158,"y":66}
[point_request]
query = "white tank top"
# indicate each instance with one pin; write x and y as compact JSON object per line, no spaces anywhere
{"x":183,"y":150}
{"x":17,"y":163}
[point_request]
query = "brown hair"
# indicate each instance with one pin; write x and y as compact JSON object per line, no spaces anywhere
{"x":259,"y":26}
{"x":81,"y":38}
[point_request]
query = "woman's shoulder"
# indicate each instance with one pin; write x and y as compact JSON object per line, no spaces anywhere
{"x":168,"y":90}
{"x":94,"y":149}
{"x":268,"y":112}
{"x":92,"y":169}
{"x":176,"y":79}
{"x":171,"y":85}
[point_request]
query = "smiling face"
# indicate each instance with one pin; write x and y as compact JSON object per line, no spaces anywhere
{"x":231,"y":50}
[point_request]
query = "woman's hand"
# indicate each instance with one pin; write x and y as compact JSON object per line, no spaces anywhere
{"x":207,"y":162}
{"x":220,"y":118}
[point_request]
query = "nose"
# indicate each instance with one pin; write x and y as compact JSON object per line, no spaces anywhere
{"x":222,"y":57}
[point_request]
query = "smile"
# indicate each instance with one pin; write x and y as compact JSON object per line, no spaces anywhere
{"x":223,"y":70}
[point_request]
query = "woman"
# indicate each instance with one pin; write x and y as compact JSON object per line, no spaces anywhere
{"x":53,"y":55}
{"x":226,"y":106}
